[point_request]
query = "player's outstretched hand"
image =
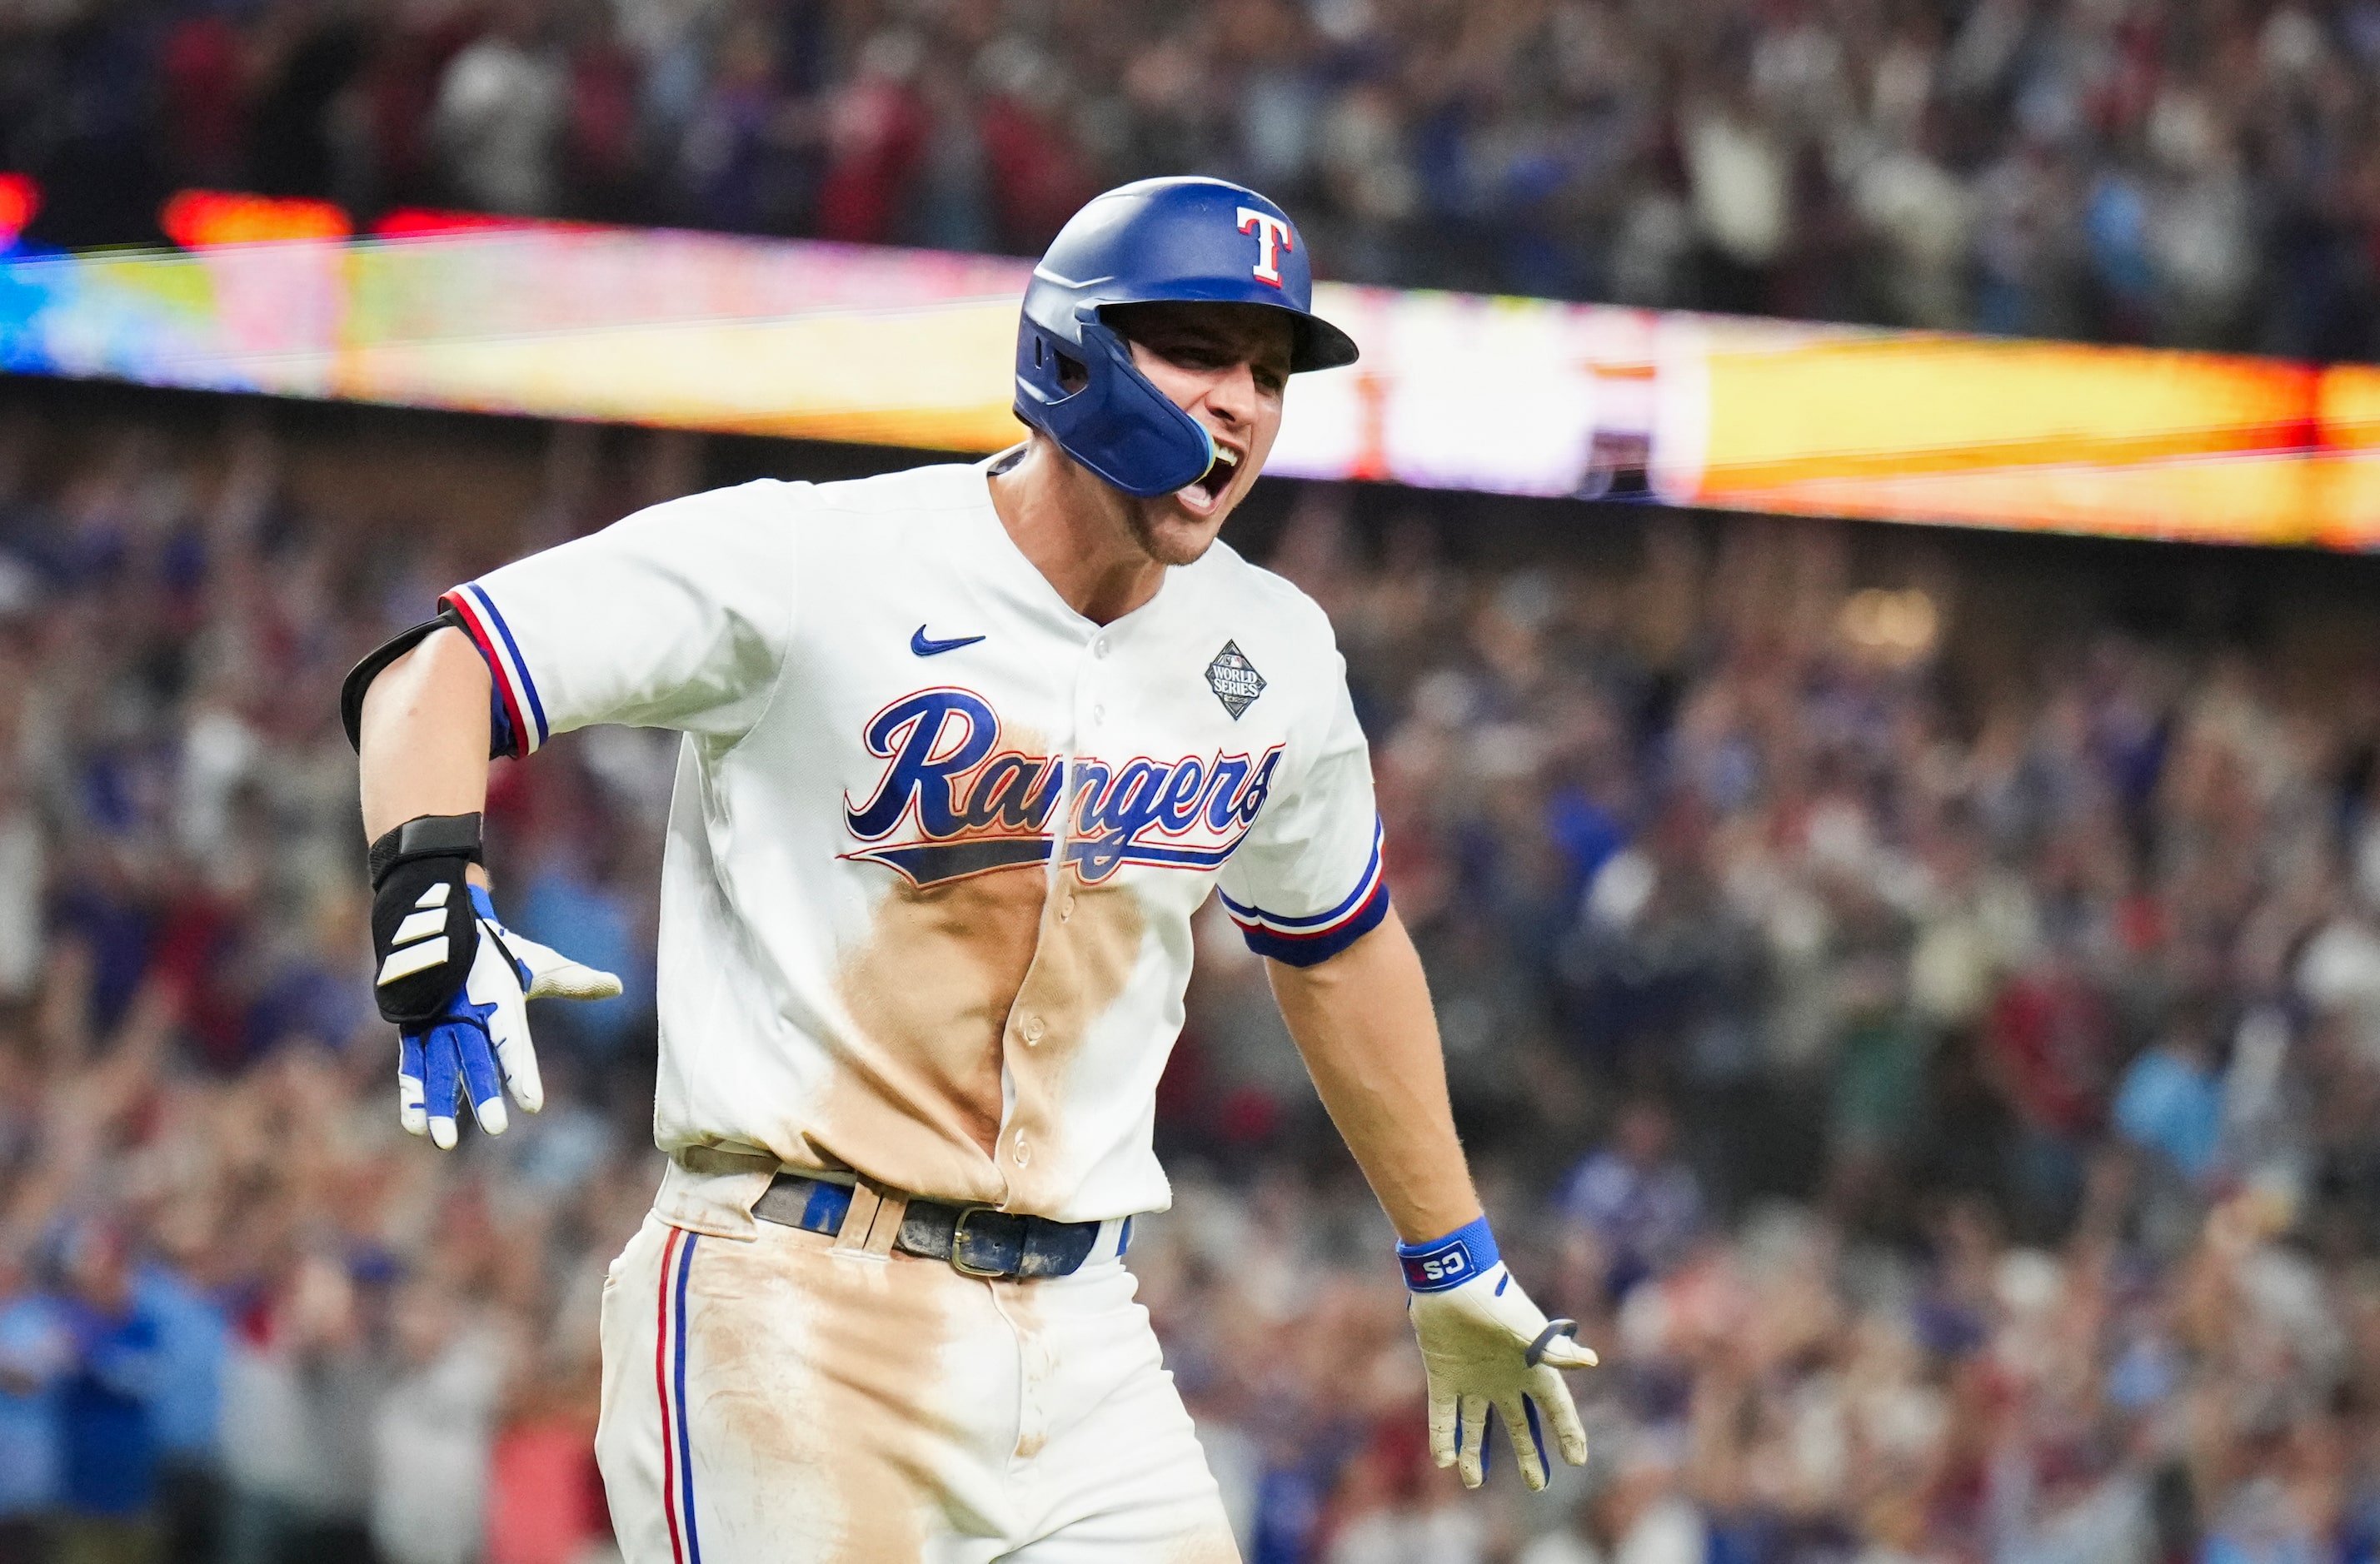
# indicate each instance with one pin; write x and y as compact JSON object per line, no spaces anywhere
{"x":1483,"y":1345}
{"x":479,"y":1044}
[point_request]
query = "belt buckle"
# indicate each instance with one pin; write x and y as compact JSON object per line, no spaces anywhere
{"x":958,"y":1245}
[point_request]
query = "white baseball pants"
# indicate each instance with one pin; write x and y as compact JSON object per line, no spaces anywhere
{"x":789,"y":1400}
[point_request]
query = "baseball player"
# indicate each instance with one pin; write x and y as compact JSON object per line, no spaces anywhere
{"x":965,"y":749}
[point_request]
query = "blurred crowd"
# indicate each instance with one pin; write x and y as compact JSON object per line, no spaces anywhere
{"x":242,"y":1317}
{"x":1940,"y":1071}
{"x":2184,"y":172}
{"x":1940,"y":1075}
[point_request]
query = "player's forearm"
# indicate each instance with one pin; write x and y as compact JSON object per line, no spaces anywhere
{"x":424,"y":742}
{"x":1363,"y":1022}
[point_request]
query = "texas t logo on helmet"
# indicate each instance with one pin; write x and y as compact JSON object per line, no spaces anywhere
{"x":1178,"y":241}
{"x":1272,"y":234}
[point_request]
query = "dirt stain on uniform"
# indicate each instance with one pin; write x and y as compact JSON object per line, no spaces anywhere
{"x":1212,"y":1543}
{"x":917,"y":1103}
{"x":953,"y":981}
{"x":1053,"y":1332}
{"x":1037,"y":1365}
{"x":1090,"y":939}
{"x":835,"y":1425}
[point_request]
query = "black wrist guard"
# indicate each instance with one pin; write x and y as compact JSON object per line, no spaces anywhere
{"x":424,"y":935}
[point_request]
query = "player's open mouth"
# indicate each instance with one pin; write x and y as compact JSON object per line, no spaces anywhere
{"x":1217,"y":477}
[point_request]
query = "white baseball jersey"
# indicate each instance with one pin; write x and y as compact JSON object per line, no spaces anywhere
{"x":937,"y":837}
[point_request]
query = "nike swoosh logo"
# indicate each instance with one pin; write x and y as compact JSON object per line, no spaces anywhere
{"x":919,"y":644}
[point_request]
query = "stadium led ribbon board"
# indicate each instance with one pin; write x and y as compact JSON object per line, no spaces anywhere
{"x":1506,"y":395}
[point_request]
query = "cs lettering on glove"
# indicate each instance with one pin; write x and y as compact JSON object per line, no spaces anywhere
{"x":1485,"y":1346}
{"x":456,"y":982}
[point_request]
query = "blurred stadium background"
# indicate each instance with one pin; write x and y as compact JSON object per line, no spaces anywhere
{"x":1912,"y":990}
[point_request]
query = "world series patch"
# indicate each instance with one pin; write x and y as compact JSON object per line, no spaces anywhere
{"x":1235,"y":679}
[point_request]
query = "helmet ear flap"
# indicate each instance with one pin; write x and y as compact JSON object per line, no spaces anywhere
{"x":1115,"y":422}
{"x":1071,"y":374}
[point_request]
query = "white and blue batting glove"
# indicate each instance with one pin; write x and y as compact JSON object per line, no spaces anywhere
{"x":479,"y":1044}
{"x":1483,"y":1345}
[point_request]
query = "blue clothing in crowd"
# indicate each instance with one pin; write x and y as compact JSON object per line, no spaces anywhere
{"x":570,"y":912}
{"x":35,"y":1353}
{"x":1647,"y":1217}
{"x":192,"y":1337}
{"x":109,"y":1447}
{"x":2166,"y":1103}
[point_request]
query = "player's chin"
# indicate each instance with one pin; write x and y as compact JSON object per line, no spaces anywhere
{"x":1175,"y":530}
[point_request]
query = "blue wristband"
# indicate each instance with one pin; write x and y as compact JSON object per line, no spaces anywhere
{"x":1468,"y":1251}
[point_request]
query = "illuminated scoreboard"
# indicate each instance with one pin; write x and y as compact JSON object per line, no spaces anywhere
{"x":1506,"y":395}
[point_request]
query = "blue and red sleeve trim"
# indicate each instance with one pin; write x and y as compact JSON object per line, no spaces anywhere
{"x":518,"y":711}
{"x":1309,"y":941}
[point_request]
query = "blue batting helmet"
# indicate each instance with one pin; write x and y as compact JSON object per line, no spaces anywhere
{"x":1178,"y":240}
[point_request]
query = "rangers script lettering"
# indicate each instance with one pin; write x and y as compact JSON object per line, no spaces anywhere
{"x":981,"y":807}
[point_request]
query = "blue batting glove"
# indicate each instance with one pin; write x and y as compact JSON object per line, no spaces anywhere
{"x":480,"y":1045}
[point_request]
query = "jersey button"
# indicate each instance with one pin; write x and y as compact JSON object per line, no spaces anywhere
{"x":1020,"y":1154}
{"x":1099,"y":647}
{"x":1066,"y":907}
{"x":1033,"y":1029}
{"x":1098,"y":713}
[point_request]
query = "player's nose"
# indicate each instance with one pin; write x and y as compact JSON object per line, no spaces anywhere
{"x":1231,"y":395}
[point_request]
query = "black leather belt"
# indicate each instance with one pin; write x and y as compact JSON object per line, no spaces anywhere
{"x":977,"y":1241}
